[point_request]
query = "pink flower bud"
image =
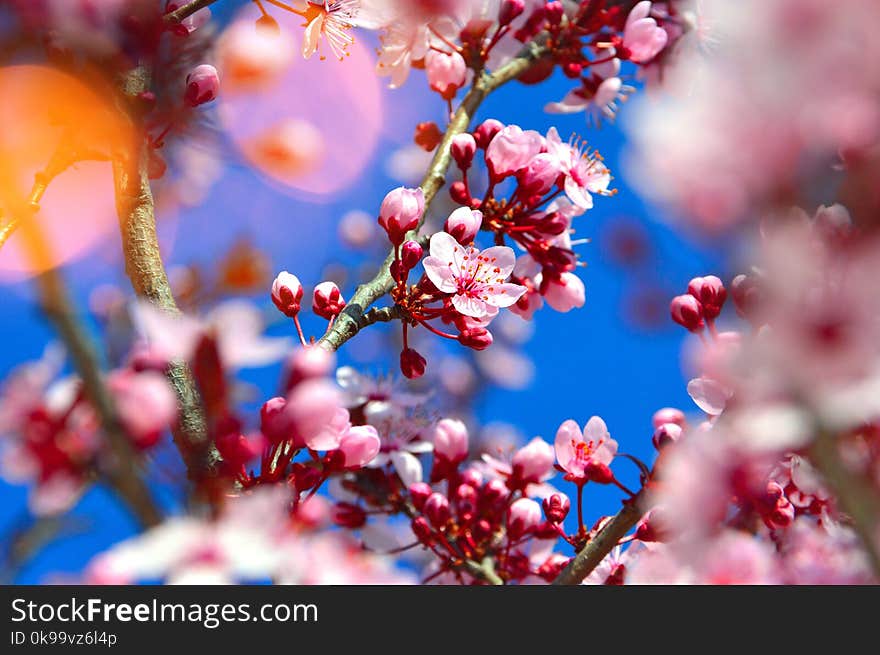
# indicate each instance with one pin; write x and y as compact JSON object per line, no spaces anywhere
{"x":202,"y":85}
{"x":466,"y":501}
{"x":665,"y":435}
{"x":472,"y":477}
{"x":317,"y":417}
{"x":510,"y":10}
{"x":419,"y":493}
{"x":309,"y":362}
{"x":668,"y":415}
{"x":710,"y":292}
{"x":539,"y":175}
{"x":511,"y":150}
{"x":287,"y":292}
{"x":410,"y":255}
{"x":463,"y":149}
{"x":487,"y":130}
{"x":275,"y":423}
{"x":436,"y":510}
{"x":359,"y":445}
{"x":412,"y":364}
{"x":401,"y":211}
{"x":463,"y":224}
{"x":746,"y":296}
{"x":477,"y":338}
{"x":687,"y":312}
{"x":643,"y":39}
{"x":349,"y":516}
{"x":534,"y":461}
{"x":451,"y":440}
{"x":327,"y":300}
{"x":146,"y":404}
{"x":447,"y":72}
{"x":494,"y":492}
{"x":566,"y":293}
{"x":556,"y":507}
{"x":525,"y":516}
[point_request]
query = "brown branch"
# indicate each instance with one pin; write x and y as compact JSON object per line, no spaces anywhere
{"x":187,"y":10}
{"x":603,"y":543}
{"x":145,"y":269}
{"x":347,"y":325}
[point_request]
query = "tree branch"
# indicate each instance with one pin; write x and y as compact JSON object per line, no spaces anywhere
{"x":145,"y":269}
{"x":347,"y":325}
{"x":185,"y":11}
{"x":603,"y":543}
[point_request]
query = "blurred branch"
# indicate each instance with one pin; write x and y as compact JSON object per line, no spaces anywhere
{"x":145,"y":269}
{"x":185,"y":11}
{"x":24,"y":543}
{"x":856,"y":494}
{"x":603,"y":543}
{"x":123,"y":473}
{"x":349,"y":322}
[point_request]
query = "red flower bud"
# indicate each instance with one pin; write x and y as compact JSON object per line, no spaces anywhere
{"x":287,"y":292}
{"x":487,"y":130}
{"x":410,"y":255}
{"x":419,"y":493}
{"x":436,"y":510}
{"x":476,"y":338}
{"x":463,"y":148}
{"x":556,"y":507}
{"x":687,"y":312}
{"x":510,"y":10}
{"x":412,"y":364}
{"x":327,"y":300}
{"x":349,"y":516}
{"x":202,"y":85}
{"x":710,"y":292}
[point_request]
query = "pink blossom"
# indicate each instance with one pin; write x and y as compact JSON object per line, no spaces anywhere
{"x":525,"y":516}
{"x":566,"y":293}
{"x":534,"y":461}
{"x":463,"y":148}
{"x":584,"y":173}
{"x":330,"y":19}
{"x":401,"y":211}
{"x":583,"y":454}
{"x":360,"y":444}
{"x":476,"y":278}
{"x":446,"y":72}
{"x":314,"y":406}
{"x":451,"y":440}
{"x":146,"y":404}
{"x":512,"y":149}
{"x":642,"y":37}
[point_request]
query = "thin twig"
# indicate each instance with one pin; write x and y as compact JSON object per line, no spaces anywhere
{"x":347,"y":325}
{"x":145,"y":269}
{"x":603,"y":543}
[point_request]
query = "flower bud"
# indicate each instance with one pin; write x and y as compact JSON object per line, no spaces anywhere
{"x":487,"y":130}
{"x":419,"y":493}
{"x":510,"y":10}
{"x":534,"y":461}
{"x":458,"y":191}
{"x":412,"y":364}
{"x":463,"y":149}
{"x":466,"y":501}
{"x":494,"y":492}
{"x":436,"y":510}
{"x":668,"y":415}
{"x":287,"y":292}
{"x":428,"y":136}
{"x":710,"y":291}
{"x":422,"y":530}
{"x":524,"y":516}
{"x":327,"y":300}
{"x":687,"y":312}
{"x":202,"y":85}
{"x":275,"y":423}
{"x":553,"y":12}
{"x":463,"y":224}
{"x":446,"y":72}
{"x":476,"y":338}
{"x":410,"y":255}
{"x":359,"y":446}
{"x":539,"y":175}
{"x":349,"y":516}
{"x":666,"y":434}
{"x":556,"y":507}
{"x":746,"y":296}
{"x":401,"y":211}
{"x":451,"y":440}
{"x":472,"y":477}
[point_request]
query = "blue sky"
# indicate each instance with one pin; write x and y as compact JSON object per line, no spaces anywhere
{"x":591,"y":361}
